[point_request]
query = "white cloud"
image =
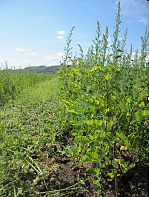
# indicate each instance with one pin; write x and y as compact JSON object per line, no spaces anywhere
{"x":147,"y":59}
{"x":109,"y":45}
{"x":19,"y":49}
{"x":139,"y":55}
{"x":136,"y":11}
{"x":108,"y":38}
{"x":30,"y":53}
{"x":60,"y":37}
{"x":61,"y":32}
{"x":144,"y":21}
{"x":134,"y":53}
{"x":52,"y":57}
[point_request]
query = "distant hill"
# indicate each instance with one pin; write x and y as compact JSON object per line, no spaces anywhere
{"x":43,"y":69}
{"x":38,"y":69}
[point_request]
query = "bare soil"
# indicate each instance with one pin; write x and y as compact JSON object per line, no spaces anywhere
{"x":64,"y":173}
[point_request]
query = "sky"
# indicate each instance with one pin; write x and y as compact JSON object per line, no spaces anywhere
{"x":34,"y":32}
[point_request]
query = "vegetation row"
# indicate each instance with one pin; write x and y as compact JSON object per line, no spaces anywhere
{"x":12,"y":82}
{"x":105,"y":93}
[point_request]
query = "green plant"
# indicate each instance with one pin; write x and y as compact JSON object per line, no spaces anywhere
{"x":106,"y":99}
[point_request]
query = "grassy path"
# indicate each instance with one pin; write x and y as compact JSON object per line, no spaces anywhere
{"x":28,"y":125}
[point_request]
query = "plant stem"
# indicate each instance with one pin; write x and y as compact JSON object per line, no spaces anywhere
{"x":115,"y":176}
{"x":116,"y":185}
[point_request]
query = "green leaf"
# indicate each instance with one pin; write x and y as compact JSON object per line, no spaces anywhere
{"x":128,"y":100}
{"x":119,"y":50}
{"x":97,"y":102}
{"x":95,"y":155}
{"x":84,"y":158}
{"x":131,"y":139}
{"x":142,"y":112}
{"x":94,"y":68}
{"x":91,"y":155}
{"x":97,"y":171}
{"x":100,"y":122}
{"x":121,"y":135}
{"x":107,"y":160}
{"x":141,"y":104}
{"x":74,"y":122}
{"x":77,"y":139}
{"x":108,"y":77}
{"x":137,"y":117}
{"x":147,"y":112}
{"x":114,"y":164}
{"x":96,"y":182}
{"x":103,"y":124}
{"x":117,"y":56}
{"x":87,"y":112}
{"x":111,"y":175}
{"x":74,"y":134}
{"x":89,"y":122}
{"x":92,"y":170}
{"x":82,"y":182}
{"x":109,"y":136}
{"x":109,"y":124}
{"x":72,"y":112}
{"x":67,"y":102}
{"x":91,"y":137}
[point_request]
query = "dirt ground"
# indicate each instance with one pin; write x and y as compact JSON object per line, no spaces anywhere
{"x":67,"y":173}
{"x":64,"y":173}
{"x":134,"y":183}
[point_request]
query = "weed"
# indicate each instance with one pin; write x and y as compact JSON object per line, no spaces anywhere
{"x":105,"y":95}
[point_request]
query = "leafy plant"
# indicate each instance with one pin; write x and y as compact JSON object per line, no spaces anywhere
{"x":107,"y":99}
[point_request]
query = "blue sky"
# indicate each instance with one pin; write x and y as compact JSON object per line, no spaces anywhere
{"x":35,"y":31}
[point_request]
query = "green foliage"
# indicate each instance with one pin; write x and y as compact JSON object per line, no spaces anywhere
{"x":13,"y":82}
{"x":107,"y":98}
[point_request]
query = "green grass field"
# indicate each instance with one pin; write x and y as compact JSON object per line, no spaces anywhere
{"x":28,"y":124}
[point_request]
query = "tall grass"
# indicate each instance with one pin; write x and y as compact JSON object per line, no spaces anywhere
{"x":13,"y":82}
